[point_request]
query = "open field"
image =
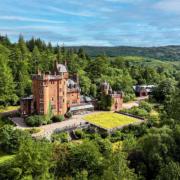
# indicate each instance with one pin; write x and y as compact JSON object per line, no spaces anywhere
{"x":110,"y":120}
{"x":8,"y":109}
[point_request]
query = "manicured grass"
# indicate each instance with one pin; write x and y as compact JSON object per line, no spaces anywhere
{"x":110,"y":120}
{"x":9,"y":108}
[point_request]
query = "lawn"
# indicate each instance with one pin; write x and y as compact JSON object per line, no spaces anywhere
{"x":110,"y":120}
{"x":8,"y":109}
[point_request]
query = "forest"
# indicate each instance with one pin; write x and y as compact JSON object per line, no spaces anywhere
{"x":146,"y":151}
{"x":163,"y":53}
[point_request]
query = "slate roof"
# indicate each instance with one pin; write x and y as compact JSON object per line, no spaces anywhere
{"x":61,"y":68}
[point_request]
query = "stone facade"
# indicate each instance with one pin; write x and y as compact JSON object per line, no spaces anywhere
{"x":116,"y":96}
{"x":56,"y":93}
{"x":143,"y":90}
{"x":52,"y":93}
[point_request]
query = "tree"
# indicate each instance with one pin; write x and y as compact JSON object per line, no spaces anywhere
{"x":22,"y":46}
{"x":34,"y":159}
{"x":11,"y":138}
{"x":164,"y":91}
{"x":35,"y":60}
{"x":93,"y":90}
{"x":117,"y":168}
{"x":173,"y":108}
{"x":97,"y":67}
{"x":157,"y":149}
{"x":86,"y":156}
{"x":20,"y":69}
{"x":7,"y":86}
{"x":85,"y":82}
{"x":169,"y":171}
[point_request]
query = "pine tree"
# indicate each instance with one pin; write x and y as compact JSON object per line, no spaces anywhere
{"x":7,"y":86}
{"x":35,"y":60}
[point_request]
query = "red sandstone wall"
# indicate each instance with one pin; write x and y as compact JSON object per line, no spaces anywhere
{"x":73,"y":97}
{"x":117,"y":103}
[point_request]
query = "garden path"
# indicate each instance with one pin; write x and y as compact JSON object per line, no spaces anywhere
{"x":75,"y":121}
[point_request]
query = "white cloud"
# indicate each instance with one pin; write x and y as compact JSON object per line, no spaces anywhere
{"x":124,"y":1}
{"x":168,"y":5}
{"x":20,"y":18}
{"x":73,"y":13}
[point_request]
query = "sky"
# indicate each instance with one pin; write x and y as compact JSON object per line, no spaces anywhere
{"x":93,"y":22}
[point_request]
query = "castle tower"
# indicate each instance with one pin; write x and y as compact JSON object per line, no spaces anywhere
{"x":105,"y":88}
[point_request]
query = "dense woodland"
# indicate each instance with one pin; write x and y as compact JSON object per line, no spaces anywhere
{"x":146,"y":151}
{"x":163,"y":53}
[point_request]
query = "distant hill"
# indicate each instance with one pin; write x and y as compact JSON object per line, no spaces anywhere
{"x":171,"y":53}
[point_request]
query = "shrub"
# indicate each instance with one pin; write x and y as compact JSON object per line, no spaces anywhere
{"x":57,"y":118}
{"x":33,"y":130}
{"x":145,"y":105}
{"x":36,"y":120}
{"x":128,"y":97}
{"x":68,"y":114}
{"x":80,"y":134}
{"x":62,"y":137}
{"x":136,"y":111}
{"x":5,"y":120}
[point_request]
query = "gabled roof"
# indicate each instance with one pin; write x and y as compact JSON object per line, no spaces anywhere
{"x":61,"y":68}
{"x":147,"y":88}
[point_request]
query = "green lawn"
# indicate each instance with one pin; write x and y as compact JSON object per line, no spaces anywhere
{"x":9,"y":108}
{"x":110,"y":120}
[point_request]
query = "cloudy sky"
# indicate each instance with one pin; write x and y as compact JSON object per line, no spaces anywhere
{"x":93,"y":22}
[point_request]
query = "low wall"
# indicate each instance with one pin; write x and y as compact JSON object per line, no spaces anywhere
{"x":131,"y":115}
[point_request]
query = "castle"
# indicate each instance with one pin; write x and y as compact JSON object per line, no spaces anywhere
{"x":57,"y":93}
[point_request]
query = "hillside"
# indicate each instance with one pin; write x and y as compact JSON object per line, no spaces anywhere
{"x":171,"y":53}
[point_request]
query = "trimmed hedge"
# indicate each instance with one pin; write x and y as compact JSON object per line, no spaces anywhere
{"x":36,"y":120}
{"x":57,"y":118}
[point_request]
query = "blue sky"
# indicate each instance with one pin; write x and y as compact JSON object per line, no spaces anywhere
{"x":93,"y":22}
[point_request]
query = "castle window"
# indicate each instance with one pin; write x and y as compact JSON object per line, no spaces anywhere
{"x":40,"y":91}
{"x":52,"y":99}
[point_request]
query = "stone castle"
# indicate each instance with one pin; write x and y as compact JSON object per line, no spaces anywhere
{"x":57,"y":93}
